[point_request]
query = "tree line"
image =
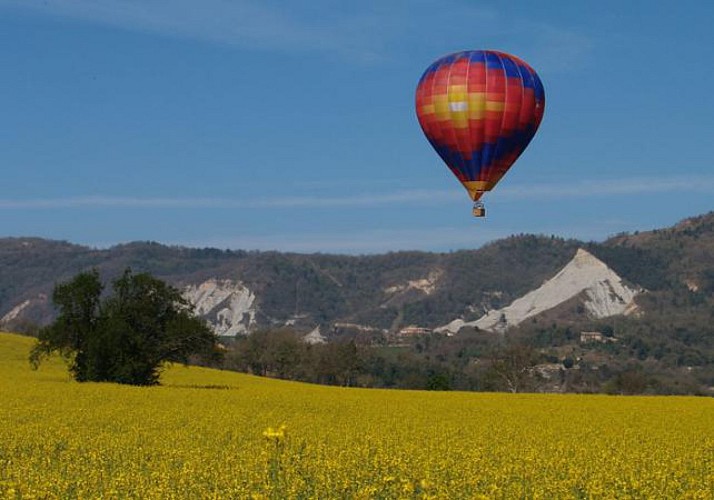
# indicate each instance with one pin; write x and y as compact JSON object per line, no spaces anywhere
{"x":130,"y":333}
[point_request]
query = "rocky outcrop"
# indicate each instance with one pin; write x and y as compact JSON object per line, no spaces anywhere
{"x":227,"y":305}
{"x":314,"y":337}
{"x":603,"y":291}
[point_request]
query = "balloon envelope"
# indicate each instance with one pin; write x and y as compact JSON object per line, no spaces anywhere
{"x":479,"y":109}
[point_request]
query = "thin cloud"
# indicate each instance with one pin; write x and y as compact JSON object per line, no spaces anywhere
{"x":363,"y":200}
{"x":236,"y":23}
{"x":554,"y":48}
{"x":368,"y":34}
{"x":592,"y":188}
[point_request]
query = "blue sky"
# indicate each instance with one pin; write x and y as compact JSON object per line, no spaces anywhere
{"x":290,"y":125}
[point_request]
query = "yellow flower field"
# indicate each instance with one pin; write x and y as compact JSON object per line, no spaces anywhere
{"x":213,"y":434}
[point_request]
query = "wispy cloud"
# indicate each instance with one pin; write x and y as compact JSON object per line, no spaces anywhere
{"x":590,"y":188}
{"x":247,"y":23}
{"x":360,"y":200}
{"x":371,"y":32}
{"x":556,"y":48}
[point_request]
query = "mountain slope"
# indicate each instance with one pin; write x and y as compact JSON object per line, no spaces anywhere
{"x":228,"y":306}
{"x":380,"y":291}
{"x":240,"y":291}
{"x":604,"y":294}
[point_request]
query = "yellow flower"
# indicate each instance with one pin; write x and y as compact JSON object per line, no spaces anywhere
{"x":62,"y":439}
{"x":275,"y":434}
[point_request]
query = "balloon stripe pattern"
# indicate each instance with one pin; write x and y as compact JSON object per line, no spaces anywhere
{"x":479,"y":109}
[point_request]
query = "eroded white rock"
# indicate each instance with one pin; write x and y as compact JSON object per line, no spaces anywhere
{"x":227,"y":305}
{"x":605,"y":295}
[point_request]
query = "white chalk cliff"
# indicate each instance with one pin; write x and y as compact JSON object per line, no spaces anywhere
{"x":228,"y":306}
{"x":603,"y":290}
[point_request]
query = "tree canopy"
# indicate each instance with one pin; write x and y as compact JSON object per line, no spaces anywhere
{"x":124,"y":337}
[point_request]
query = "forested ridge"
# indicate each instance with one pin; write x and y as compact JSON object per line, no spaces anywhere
{"x":668,"y":347}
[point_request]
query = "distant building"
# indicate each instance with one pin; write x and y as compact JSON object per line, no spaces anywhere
{"x":354,"y":326}
{"x":413,"y":331}
{"x":591,"y":337}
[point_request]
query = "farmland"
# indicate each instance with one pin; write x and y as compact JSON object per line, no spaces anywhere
{"x":211,"y":434}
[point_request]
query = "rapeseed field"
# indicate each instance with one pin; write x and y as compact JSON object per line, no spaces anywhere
{"x":212,"y":434}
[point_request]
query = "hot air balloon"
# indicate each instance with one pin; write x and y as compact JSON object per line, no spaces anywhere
{"x":479,"y":109}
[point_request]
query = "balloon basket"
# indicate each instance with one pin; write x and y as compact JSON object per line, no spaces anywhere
{"x":479,"y":209}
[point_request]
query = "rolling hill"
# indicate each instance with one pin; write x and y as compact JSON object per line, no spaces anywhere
{"x":240,"y":291}
{"x":542,"y":291}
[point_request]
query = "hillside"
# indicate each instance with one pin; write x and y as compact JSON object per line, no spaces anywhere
{"x":208,"y":433}
{"x":542,"y":292}
{"x":381,"y":291}
{"x":603,"y":295}
{"x":242,"y":291}
{"x":675,"y":257}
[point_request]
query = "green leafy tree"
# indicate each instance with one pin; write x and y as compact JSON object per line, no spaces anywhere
{"x":75,"y":332}
{"x":126,"y":337}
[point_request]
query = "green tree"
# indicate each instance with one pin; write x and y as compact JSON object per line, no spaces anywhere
{"x":75,"y":331}
{"x":126,"y":337}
